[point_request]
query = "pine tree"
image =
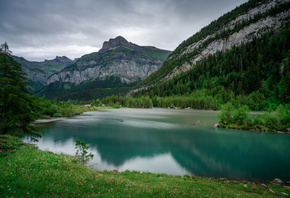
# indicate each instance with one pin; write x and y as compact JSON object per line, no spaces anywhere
{"x":17,"y":107}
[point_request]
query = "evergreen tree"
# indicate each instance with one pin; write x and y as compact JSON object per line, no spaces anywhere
{"x":17,"y":107}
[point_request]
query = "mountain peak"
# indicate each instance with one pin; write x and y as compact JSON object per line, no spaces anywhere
{"x":62,"y":58}
{"x":116,"y":42}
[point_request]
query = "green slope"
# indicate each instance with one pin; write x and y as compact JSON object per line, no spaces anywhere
{"x":216,"y":28}
{"x":255,"y":73}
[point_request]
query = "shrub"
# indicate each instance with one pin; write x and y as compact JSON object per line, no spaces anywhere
{"x":226,"y":114}
{"x":82,"y":151}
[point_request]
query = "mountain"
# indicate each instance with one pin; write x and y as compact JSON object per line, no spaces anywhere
{"x":117,"y":67}
{"x":38,"y":72}
{"x":243,"y":55}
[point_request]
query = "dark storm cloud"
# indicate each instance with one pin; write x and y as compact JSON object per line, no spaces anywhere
{"x":42,"y":29}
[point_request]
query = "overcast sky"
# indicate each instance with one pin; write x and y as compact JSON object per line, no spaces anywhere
{"x":43,"y":29}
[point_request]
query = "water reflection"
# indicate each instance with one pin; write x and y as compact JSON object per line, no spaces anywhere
{"x":162,"y":140}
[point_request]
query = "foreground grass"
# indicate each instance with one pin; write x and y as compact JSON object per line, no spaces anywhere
{"x":29,"y":172}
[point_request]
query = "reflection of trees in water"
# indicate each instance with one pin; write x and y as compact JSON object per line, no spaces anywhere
{"x":201,"y":151}
{"x":235,"y":154}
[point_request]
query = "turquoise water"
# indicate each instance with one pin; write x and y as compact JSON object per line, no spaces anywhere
{"x":168,"y":141}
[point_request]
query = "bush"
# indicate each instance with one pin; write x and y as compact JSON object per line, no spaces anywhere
{"x":82,"y":151}
{"x":277,"y":120}
{"x":258,"y":120}
{"x":57,"y":114}
{"x":242,"y":116}
{"x":226,"y":114}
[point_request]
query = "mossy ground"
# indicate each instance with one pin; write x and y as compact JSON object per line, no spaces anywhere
{"x":30,"y":172}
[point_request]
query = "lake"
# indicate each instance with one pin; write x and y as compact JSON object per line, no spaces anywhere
{"x":176,"y":142}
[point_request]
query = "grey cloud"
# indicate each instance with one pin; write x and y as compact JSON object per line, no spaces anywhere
{"x":42,"y":29}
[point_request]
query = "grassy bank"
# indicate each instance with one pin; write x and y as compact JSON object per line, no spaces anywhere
{"x":29,"y":172}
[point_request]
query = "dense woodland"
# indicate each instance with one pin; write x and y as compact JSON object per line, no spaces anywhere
{"x":256,"y":74}
{"x":85,"y":91}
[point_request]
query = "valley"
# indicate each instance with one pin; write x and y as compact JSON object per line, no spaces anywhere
{"x":210,"y":118}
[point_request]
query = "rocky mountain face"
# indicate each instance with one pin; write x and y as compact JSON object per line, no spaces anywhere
{"x":118,"y":41}
{"x":248,"y":21}
{"x":236,"y":38}
{"x":38,"y":72}
{"x":117,"y":57}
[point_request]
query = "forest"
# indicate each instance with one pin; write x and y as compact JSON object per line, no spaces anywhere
{"x":85,"y":91}
{"x":256,"y":74}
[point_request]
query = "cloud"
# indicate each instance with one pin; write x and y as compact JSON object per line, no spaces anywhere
{"x":39,"y":30}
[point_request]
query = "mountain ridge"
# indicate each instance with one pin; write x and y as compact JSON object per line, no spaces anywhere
{"x":127,"y":61}
{"x":250,"y":20}
{"x":117,"y":57}
{"x":38,"y":71}
{"x":242,"y":58}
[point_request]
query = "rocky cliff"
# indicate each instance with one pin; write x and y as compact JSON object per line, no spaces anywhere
{"x":248,"y":21}
{"x":117,"y":42}
{"x":117,"y":57}
{"x":243,"y":35}
{"x":117,"y":67}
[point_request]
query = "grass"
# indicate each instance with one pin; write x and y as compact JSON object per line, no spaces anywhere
{"x":9,"y":144}
{"x":30,"y":172}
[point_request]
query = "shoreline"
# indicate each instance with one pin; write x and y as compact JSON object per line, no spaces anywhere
{"x":42,"y":121}
{"x":66,"y":177}
{"x":216,"y":125}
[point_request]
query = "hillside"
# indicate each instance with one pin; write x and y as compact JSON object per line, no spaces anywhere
{"x":38,"y":72}
{"x":242,"y":57}
{"x":117,"y":67}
